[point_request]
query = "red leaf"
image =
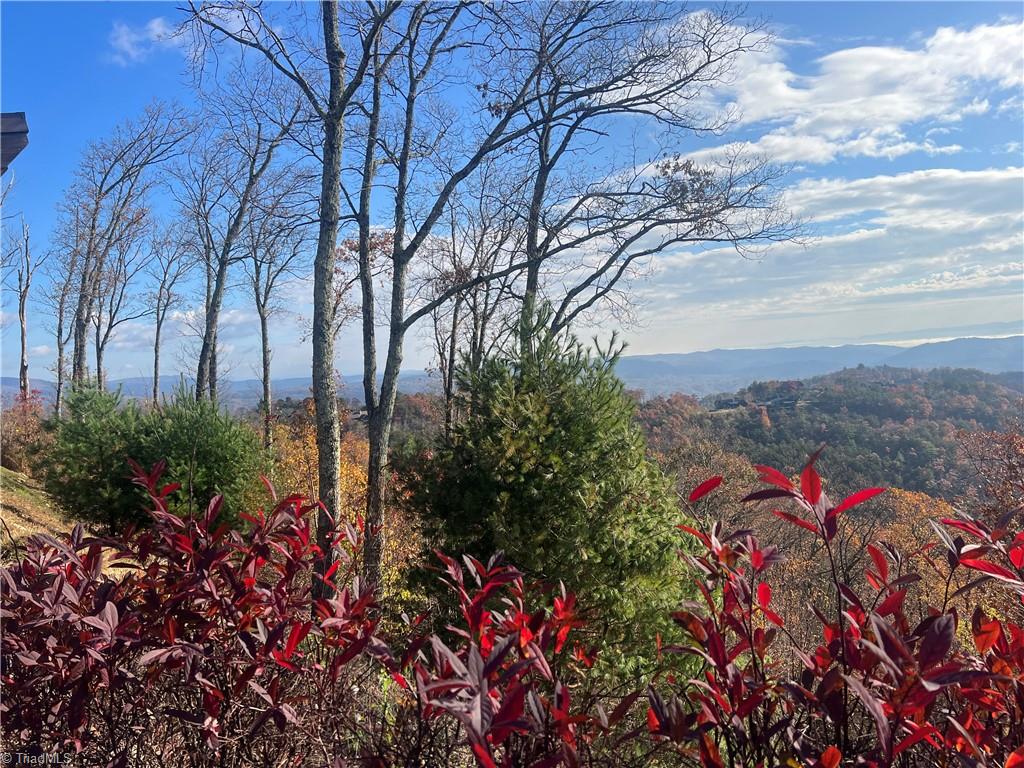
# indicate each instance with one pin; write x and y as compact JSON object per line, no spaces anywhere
{"x":986,"y":633}
{"x":269,"y":486}
{"x":920,"y":733}
{"x":1016,"y":759}
{"x":1017,"y":555}
{"x":706,"y":487}
{"x":299,"y":631}
{"x":880,"y":562}
{"x":963,"y":525}
{"x":652,"y":721}
{"x":991,"y":569}
{"x":773,"y":476}
{"x":764,"y":594}
{"x":892,"y":603}
{"x":796,"y":520}
{"x":857,"y":498}
{"x":757,"y":559}
{"x":830,"y":758}
{"x":810,"y":483}
{"x":280,"y":659}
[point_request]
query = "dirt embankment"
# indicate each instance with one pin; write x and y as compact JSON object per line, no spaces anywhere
{"x":25,"y":509}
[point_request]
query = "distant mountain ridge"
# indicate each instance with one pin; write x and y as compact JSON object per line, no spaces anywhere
{"x":696,"y":373}
{"x":881,"y":426}
{"x":726,"y":370}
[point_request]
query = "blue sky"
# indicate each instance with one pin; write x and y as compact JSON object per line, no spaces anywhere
{"x":903,"y":124}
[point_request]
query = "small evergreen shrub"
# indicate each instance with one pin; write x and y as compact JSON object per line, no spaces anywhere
{"x":207,"y":453}
{"x":86,"y":470}
{"x":549,"y":468}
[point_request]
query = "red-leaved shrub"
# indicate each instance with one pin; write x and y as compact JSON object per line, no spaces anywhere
{"x":881,"y":689}
{"x":189,"y":643}
{"x":23,"y":437}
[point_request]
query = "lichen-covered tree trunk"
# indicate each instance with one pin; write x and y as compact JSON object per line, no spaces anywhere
{"x":205,"y":370}
{"x":23,"y":366}
{"x":268,"y":403}
{"x":328,"y":437}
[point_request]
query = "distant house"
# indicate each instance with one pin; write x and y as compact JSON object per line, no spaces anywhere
{"x":14,"y":138}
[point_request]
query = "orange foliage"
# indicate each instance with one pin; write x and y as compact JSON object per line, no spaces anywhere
{"x":907,"y":528}
{"x":296,"y":462}
{"x":296,"y":472}
{"x":994,"y":469}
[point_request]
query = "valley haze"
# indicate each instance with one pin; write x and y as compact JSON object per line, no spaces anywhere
{"x":694,"y":373}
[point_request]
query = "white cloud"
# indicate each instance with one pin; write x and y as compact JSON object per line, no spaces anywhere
{"x":132,"y":45}
{"x":939,"y":198}
{"x":786,"y":147}
{"x":861,"y":101}
{"x":893,"y":252}
{"x":40,"y":351}
{"x":1013,"y":106}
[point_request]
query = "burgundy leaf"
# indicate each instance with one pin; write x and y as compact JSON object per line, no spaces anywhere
{"x":706,"y":487}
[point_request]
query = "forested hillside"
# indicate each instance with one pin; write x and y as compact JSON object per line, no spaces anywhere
{"x":881,"y":426}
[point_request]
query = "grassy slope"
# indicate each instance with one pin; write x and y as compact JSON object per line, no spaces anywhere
{"x":25,"y":510}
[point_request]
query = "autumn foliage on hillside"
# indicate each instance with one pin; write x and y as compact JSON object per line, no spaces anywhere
{"x":295,"y":470}
{"x":203,"y":647}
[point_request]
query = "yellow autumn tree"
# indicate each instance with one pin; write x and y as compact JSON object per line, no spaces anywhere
{"x":296,"y":472}
{"x":908,"y":527}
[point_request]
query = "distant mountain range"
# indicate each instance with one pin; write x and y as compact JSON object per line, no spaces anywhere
{"x":726,"y":370}
{"x":697,"y":373}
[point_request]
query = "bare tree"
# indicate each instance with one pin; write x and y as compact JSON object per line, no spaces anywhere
{"x":547,"y":77}
{"x":170,"y":262}
{"x":629,"y":64}
{"x":60,"y":299}
{"x":118,"y":298}
{"x":599,"y":241}
{"x":485,"y":234}
{"x":216,"y":183}
{"x":20,"y":265}
{"x":321,"y":73}
{"x":276,"y":240}
{"x":589,"y":230}
{"x":440,"y":90}
{"x":102,"y":205}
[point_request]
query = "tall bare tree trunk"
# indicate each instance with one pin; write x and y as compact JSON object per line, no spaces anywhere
{"x":79,"y":363}
{"x":206,"y":370}
{"x":268,"y":404}
{"x":60,"y":307}
{"x":156,"y":360}
{"x":99,"y":360}
{"x":24,"y":283}
{"x":213,"y":369}
{"x":170,"y":264}
{"x":58,"y":404}
{"x":328,"y":436}
{"x":449,"y":373}
{"x":533,"y":254}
